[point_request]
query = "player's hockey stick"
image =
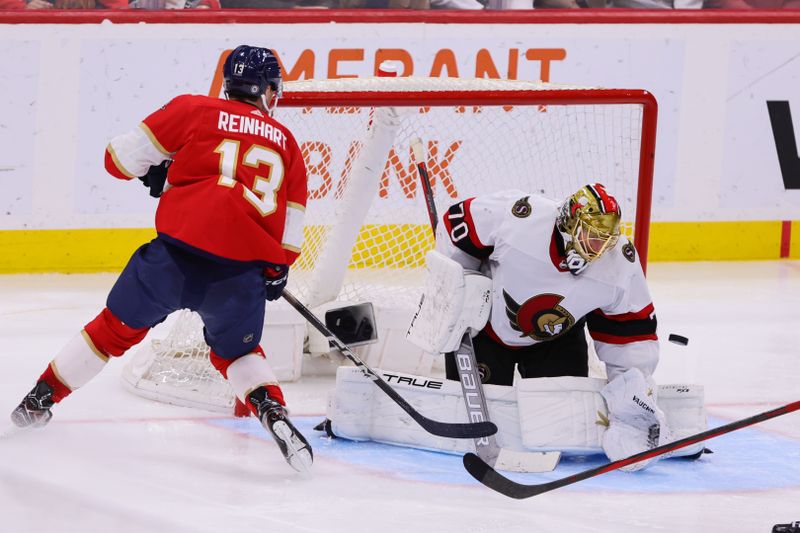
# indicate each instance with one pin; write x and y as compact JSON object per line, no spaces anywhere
{"x":489,"y":477}
{"x":474,"y":397}
{"x":442,"y":429}
{"x":477,"y":409}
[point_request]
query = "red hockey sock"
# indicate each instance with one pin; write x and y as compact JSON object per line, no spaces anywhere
{"x":111,"y":336}
{"x":60,"y":390}
{"x":275,"y":392}
{"x":222,"y":364}
{"x":247,"y":373}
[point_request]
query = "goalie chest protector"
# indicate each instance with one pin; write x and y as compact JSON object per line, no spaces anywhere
{"x":535,"y":299}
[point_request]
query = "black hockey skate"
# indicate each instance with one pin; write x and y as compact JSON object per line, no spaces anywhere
{"x":293,"y":445}
{"x":34,"y":410}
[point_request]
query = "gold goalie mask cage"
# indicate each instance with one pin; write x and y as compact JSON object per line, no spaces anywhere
{"x":591,"y":218}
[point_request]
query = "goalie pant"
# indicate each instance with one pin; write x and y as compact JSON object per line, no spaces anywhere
{"x":538,"y":414}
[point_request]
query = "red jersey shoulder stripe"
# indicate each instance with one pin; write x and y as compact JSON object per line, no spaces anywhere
{"x":150,"y":135}
{"x":624,"y":327}
{"x":114,"y":167}
{"x":644,"y":313}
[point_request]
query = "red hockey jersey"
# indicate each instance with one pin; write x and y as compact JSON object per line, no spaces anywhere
{"x":237,"y":185}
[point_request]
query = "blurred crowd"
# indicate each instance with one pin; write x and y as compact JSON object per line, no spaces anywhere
{"x":110,"y":4}
{"x":396,"y":4}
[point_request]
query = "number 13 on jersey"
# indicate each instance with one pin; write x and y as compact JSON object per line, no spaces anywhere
{"x":264,"y":192}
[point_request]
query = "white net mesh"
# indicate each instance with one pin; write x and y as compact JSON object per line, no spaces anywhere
{"x":551,"y":150}
{"x":367,"y":227}
{"x":177,"y":369}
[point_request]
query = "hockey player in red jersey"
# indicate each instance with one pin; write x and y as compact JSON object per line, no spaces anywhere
{"x":232,"y":186}
{"x":555,"y":268}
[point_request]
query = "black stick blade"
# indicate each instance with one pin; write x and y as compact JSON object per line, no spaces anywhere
{"x":489,"y":477}
{"x":457,"y":430}
{"x":454,"y":430}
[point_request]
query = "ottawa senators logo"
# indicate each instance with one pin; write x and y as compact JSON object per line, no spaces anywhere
{"x":629,"y":251}
{"x":484,"y":372}
{"x":522,"y":208}
{"x":540,"y":317}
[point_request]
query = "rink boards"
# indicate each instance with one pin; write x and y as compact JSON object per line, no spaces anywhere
{"x":722,"y":188}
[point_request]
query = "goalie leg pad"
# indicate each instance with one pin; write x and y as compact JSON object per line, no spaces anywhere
{"x":563,"y":413}
{"x":684,"y":406}
{"x":358,"y":410}
{"x":452,"y":302}
{"x":538,"y":414}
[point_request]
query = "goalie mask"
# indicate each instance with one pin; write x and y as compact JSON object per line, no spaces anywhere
{"x":589,"y":221}
{"x":249,"y":70}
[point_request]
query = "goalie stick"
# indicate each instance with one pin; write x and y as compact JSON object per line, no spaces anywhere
{"x":474,"y":397}
{"x":442,"y":429}
{"x":489,"y":477}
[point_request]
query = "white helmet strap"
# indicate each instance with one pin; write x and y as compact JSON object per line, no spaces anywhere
{"x":271,"y":105}
{"x":572,"y":259}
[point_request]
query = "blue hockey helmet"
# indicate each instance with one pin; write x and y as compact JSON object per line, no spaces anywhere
{"x":249,"y":70}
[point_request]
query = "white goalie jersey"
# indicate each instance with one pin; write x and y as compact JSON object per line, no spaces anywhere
{"x":511,"y":237}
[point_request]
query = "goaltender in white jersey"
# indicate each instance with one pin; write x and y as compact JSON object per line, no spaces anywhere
{"x":554,"y":268}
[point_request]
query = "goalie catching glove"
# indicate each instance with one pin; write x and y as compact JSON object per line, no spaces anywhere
{"x":635,"y":422}
{"x":453,"y":301}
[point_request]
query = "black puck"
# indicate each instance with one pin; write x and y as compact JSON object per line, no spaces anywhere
{"x":678,"y":339}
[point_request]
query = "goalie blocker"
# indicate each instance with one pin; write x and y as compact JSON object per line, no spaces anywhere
{"x":539,"y":414}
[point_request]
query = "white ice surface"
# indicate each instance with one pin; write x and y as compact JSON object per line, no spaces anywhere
{"x":111,"y":461}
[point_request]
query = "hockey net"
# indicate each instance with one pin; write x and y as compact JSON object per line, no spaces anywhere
{"x":367,"y":227}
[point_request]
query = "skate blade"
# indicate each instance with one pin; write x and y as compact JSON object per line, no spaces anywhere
{"x":20,"y":424}
{"x":10,"y":430}
{"x":297,"y":454}
{"x":25,"y":420}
